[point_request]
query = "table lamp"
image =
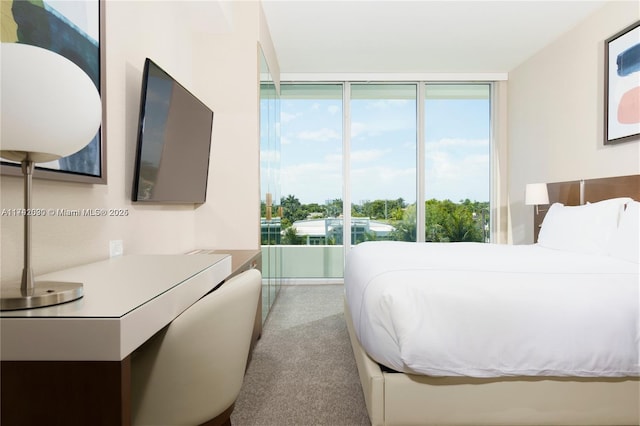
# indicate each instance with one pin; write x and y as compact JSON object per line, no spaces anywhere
{"x":50,"y":109}
{"x":536,"y":194}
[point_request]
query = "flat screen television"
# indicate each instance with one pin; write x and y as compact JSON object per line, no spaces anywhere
{"x":174,"y":141}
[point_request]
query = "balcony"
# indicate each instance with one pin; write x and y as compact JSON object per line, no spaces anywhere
{"x":301,"y":263}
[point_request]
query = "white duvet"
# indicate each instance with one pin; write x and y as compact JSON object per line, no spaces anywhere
{"x":488,"y":310}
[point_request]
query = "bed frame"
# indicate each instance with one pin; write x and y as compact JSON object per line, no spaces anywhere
{"x":404,"y":399}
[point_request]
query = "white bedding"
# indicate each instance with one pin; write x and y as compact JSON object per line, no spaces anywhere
{"x":488,"y":310}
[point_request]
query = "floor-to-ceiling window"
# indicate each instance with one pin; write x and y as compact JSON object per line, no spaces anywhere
{"x":311,"y":180}
{"x":457,"y":132}
{"x":405,"y":161}
{"x":383,"y":154}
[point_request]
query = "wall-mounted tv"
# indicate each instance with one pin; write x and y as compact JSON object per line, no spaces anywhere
{"x":174,"y":141}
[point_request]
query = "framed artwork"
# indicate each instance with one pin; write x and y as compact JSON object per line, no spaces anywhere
{"x":73,"y":30}
{"x":622,"y":86}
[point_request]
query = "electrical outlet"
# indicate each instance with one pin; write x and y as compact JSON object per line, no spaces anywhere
{"x":115,"y":248}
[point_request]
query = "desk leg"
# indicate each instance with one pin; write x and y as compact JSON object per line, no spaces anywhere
{"x":65,"y":392}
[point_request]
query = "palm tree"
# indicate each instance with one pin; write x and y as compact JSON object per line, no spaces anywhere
{"x":406,"y":229}
{"x":460,"y":226}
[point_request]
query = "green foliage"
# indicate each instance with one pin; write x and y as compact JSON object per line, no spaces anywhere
{"x":333,"y":208}
{"x":382,"y":209}
{"x":292,"y":210}
{"x":445,"y":221}
{"x":291,"y":237}
{"x":406,"y":228}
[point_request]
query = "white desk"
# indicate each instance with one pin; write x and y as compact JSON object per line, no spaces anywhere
{"x":86,"y":344}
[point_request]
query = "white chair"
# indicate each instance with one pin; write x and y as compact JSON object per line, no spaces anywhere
{"x":191,"y":372}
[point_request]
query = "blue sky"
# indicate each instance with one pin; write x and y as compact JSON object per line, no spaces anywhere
{"x":383,"y":149}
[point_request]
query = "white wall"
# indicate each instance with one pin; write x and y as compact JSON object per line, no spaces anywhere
{"x":217,"y":63}
{"x":555,"y":114}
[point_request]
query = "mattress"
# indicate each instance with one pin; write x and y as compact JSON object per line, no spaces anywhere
{"x":489,"y":310}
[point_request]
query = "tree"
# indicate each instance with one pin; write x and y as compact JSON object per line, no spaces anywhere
{"x":334,"y":208}
{"x":406,"y":229}
{"x":445,"y":221}
{"x":461,"y":226}
{"x":436,"y":213}
{"x":292,"y":209}
{"x":448,"y":222}
{"x":291,"y":237}
{"x":315,"y":208}
{"x":383,"y":209}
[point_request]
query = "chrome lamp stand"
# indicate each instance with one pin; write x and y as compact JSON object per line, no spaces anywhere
{"x":29,"y":295}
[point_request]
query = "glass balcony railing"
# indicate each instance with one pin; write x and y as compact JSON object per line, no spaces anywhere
{"x":306,"y":262}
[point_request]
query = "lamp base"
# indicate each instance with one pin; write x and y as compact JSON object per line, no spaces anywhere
{"x":45,"y":293}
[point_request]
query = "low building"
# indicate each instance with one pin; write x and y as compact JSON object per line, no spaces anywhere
{"x":328,"y":231}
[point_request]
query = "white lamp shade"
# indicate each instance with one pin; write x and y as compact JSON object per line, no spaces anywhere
{"x":50,"y":107}
{"x":536,"y":193}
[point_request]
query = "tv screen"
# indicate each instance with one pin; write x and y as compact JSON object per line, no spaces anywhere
{"x":174,"y":141}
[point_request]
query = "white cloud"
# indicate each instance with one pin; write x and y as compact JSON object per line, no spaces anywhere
{"x":357,"y":128}
{"x":321,"y":135}
{"x":367,"y":155}
{"x":446,"y":178}
{"x":440,"y":166}
{"x":387,"y":103}
{"x":457,"y":143}
{"x":285,"y":117}
{"x":457,"y":178}
{"x":269,"y":155}
{"x":284,"y":140}
{"x":334,"y":158}
{"x":375,"y":128}
{"x":383,"y":182}
{"x":456,"y":169}
{"x":334,"y":109}
{"x":313,"y":182}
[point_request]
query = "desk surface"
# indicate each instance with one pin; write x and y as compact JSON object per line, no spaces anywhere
{"x":126,"y":300}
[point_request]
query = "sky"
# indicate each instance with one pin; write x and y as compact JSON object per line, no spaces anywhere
{"x":383,"y":149}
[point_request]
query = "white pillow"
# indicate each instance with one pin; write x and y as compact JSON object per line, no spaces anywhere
{"x":621,"y":202}
{"x":625,"y":243}
{"x":582,"y":229}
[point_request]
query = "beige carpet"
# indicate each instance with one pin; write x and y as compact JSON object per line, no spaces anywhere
{"x":303,"y":371}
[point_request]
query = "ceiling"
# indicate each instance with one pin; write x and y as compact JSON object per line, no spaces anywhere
{"x":419,"y":36}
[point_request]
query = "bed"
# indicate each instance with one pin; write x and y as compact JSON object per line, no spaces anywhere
{"x":546,"y":333}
